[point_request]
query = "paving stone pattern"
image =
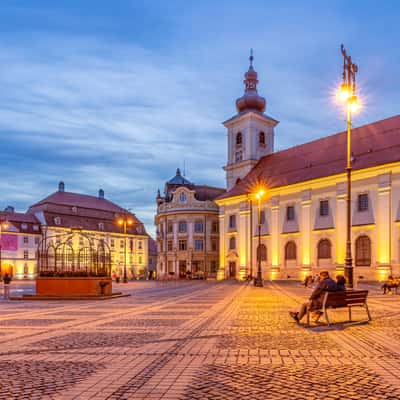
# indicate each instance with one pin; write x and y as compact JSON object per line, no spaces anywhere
{"x":197,"y":340}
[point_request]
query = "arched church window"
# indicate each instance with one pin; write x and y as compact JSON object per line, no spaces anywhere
{"x":290,"y":251}
{"x":261,"y":138}
{"x":232,"y":243}
{"x":324,"y":249}
{"x":239,"y":139}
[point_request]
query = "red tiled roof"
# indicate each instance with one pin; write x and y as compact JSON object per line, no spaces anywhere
{"x":373,"y":144}
{"x":17,"y":219}
{"x":80,"y":200}
{"x":204,"y":192}
{"x":92,"y":223}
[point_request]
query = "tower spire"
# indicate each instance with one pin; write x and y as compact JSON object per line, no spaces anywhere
{"x":251,"y":100}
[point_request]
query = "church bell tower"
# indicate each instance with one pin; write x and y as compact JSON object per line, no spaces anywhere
{"x":250,"y":131}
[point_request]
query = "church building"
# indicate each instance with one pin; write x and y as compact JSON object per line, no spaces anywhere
{"x":303,"y":211}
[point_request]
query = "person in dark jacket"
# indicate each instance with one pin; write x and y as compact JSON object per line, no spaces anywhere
{"x":340,"y":283}
{"x":340,"y":287}
{"x":6,"y":281}
{"x":325,"y":284}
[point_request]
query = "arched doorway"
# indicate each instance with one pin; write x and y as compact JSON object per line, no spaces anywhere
{"x":291,"y":254}
{"x":363,"y":251}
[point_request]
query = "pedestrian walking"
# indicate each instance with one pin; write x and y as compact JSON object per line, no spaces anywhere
{"x":6,"y":281}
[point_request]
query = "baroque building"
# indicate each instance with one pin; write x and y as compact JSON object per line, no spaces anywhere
{"x":303,"y":214}
{"x":187,"y":230}
{"x":20,"y":235}
{"x":56,"y":216}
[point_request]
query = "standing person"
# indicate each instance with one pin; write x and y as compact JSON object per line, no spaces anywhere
{"x":7,"y":281}
{"x":325,"y":284}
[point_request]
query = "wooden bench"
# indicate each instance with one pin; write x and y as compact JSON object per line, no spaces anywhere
{"x":349,"y":299}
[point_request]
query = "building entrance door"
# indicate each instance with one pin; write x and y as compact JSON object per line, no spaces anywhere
{"x":232,"y":269}
{"x":182,"y":269}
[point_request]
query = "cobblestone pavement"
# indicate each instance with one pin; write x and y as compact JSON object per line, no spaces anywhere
{"x":197,"y":340}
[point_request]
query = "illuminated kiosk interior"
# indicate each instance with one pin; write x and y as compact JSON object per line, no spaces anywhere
{"x":74,"y":264}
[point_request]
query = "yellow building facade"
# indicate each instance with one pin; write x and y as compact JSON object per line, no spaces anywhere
{"x":303,"y":212}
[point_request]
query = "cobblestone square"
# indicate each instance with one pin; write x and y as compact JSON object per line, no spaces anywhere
{"x":197,"y":340}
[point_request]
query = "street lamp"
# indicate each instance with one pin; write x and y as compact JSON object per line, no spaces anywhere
{"x":258,"y":282}
{"x":347,"y":94}
{"x":125,"y":221}
{"x":3,"y":225}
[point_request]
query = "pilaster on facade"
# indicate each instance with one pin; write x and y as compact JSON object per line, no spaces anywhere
{"x":305,"y":230}
{"x":275,"y":232}
{"x":222,"y":244}
{"x":340,"y":224}
{"x":243,"y":238}
{"x":383,"y":219}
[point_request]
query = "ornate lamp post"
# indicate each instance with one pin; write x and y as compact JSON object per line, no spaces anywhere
{"x":3,"y":225}
{"x":347,"y":94}
{"x":258,"y":282}
{"x":125,"y":221}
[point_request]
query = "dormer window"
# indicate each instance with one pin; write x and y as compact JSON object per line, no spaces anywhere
{"x":182,"y":197}
{"x":24,"y":226}
{"x":239,"y":139}
{"x":74,"y":209}
{"x":101,"y":226}
{"x":139,"y":229}
{"x":57,"y":220}
{"x":261,"y":138}
{"x":35,"y":227}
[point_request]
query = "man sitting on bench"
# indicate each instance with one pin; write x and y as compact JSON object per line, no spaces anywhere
{"x":326,"y":284}
{"x":392,"y":283}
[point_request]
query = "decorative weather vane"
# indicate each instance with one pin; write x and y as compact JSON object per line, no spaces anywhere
{"x":251,"y":58}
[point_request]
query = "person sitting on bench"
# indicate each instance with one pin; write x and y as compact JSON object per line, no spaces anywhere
{"x":392,"y":283}
{"x":325,"y":284}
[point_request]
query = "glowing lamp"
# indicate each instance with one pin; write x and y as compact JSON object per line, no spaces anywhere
{"x":344,"y":92}
{"x":130,"y":222}
{"x":354,"y":103}
{"x":120,"y":222}
{"x":4,"y":225}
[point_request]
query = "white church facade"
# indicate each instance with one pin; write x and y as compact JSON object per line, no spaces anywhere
{"x":303,"y":212}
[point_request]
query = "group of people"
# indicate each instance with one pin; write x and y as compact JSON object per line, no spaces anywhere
{"x":391,"y":284}
{"x":325,"y":284}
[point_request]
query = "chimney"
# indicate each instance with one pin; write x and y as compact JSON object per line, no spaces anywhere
{"x":9,"y":209}
{"x":61,"y":186}
{"x":101,"y":194}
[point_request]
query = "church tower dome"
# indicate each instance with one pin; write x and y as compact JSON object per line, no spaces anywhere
{"x":251,"y":99}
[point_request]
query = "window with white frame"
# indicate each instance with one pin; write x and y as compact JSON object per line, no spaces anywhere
{"x":26,"y":239}
{"x":199,"y":245}
{"x":323,"y":208}
{"x":363,"y":202}
{"x":232,"y":221}
{"x":198,"y":226}
{"x":182,"y":197}
{"x":182,"y":227}
{"x":290,"y":213}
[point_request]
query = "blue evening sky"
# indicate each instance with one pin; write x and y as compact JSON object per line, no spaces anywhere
{"x":117,"y":94}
